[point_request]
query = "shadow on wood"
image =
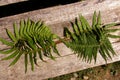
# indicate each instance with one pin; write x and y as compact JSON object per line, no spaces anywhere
{"x":30,"y":5}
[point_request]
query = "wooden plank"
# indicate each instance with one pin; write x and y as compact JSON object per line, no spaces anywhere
{"x":58,"y":17}
{"x":6,"y":2}
{"x":62,"y":65}
{"x":65,"y":14}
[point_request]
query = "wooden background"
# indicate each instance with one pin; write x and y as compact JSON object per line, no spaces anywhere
{"x":6,"y":2}
{"x":58,"y":17}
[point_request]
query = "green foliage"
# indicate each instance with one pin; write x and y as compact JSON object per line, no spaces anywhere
{"x":35,"y":39}
{"x":30,"y":40}
{"x":86,"y":41}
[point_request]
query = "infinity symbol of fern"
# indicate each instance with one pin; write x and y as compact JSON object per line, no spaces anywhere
{"x":34,"y":39}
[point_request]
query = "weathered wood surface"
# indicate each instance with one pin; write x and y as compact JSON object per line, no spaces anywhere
{"x":6,"y":2}
{"x":58,"y":17}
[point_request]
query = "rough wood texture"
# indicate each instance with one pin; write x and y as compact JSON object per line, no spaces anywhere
{"x":6,"y":2}
{"x":58,"y":17}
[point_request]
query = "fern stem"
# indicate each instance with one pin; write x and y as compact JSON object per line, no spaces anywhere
{"x":60,"y":41}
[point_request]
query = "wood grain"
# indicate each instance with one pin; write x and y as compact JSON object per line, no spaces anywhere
{"x":6,"y":2}
{"x":57,"y":18}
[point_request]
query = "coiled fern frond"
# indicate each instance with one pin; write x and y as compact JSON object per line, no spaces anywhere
{"x":86,"y":41}
{"x":30,"y":40}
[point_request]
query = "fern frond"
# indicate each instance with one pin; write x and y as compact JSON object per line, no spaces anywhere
{"x":86,"y":41}
{"x":30,"y":39}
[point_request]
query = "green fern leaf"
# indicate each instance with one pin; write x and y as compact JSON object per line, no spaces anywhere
{"x":75,"y":28}
{"x":85,"y":22}
{"x":110,"y":25}
{"x":94,"y":21}
{"x":16,"y":59}
{"x":78,"y":25}
{"x":99,"y":19}
{"x":7,"y":51}
{"x":109,"y":47}
{"x":22,"y":25}
{"x":6,"y":42}
{"x":102,"y":53}
{"x":16,"y":32}
{"x":35,"y":58}
{"x":40,"y":55}
{"x":38,"y":25}
{"x":113,"y":36}
{"x":84,"y":27}
{"x":31,"y":61}
{"x":11,"y":56}
{"x":111,"y":30}
{"x":11,"y":36}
